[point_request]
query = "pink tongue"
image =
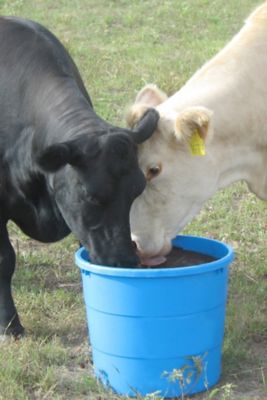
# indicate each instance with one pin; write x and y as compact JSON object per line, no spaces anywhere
{"x":151,"y":261}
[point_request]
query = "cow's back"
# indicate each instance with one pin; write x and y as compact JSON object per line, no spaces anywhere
{"x":31,"y":56}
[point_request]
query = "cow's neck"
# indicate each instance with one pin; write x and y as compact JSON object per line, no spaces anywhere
{"x":25,"y":192}
{"x":238,"y":155}
{"x":66,"y":113}
{"x":231,"y":86}
{"x":238,"y":145}
{"x":237,"y":152}
{"x":58,"y":113}
{"x":240,"y":161}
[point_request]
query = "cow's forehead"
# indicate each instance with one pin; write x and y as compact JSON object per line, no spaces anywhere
{"x":151,"y":147}
{"x":160,"y":147}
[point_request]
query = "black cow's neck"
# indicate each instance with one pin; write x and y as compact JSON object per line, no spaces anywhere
{"x":65,"y":113}
{"x":59,"y":112}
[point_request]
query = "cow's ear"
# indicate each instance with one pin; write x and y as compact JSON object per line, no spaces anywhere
{"x":148,"y":97}
{"x":74,"y":152}
{"x":151,"y":95}
{"x":55,"y":157}
{"x":191,"y":120}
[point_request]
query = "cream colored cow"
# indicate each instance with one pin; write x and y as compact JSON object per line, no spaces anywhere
{"x":221,"y":110}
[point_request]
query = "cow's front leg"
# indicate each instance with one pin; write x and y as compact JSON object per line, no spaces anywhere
{"x":9,"y":320}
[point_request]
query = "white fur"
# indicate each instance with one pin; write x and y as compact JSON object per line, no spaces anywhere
{"x":231,"y":89}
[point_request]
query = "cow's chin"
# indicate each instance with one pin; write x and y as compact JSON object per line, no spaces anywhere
{"x":152,"y":261}
{"x":156,"y":258}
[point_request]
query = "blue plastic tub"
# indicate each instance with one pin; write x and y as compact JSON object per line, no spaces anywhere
{"x":158,"y":329}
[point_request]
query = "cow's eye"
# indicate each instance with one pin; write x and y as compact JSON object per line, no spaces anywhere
{"x":95,"y":201}
{"x":153,"y":171}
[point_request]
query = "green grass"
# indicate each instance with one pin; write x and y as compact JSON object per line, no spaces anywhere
{"x":119,"y":46}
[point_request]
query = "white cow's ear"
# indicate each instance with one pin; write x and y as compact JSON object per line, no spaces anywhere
{"x":192,"y":119}
{"x":148,"y":97}
{"x":151,"y":95}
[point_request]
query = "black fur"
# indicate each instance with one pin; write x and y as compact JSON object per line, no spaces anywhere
{"x":62,"y":168}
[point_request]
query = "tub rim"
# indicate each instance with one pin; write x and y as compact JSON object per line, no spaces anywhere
{"x":158,"y":272}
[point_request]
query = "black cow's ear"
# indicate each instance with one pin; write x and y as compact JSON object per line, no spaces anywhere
{"x":55,"y":157}
{"x":73,"y":152}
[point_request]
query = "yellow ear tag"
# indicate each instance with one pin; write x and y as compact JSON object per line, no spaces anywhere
{"x":197,"y":144}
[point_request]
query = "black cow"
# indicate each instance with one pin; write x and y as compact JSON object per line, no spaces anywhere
{"x":62,"y":168}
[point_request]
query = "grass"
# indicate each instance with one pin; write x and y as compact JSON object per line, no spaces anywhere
{"x":119,"y":46}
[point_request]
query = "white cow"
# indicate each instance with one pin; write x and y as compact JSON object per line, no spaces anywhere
{"x":223,"y":107}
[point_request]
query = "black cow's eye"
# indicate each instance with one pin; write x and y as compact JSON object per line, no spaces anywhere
{"x":94,"y":200}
